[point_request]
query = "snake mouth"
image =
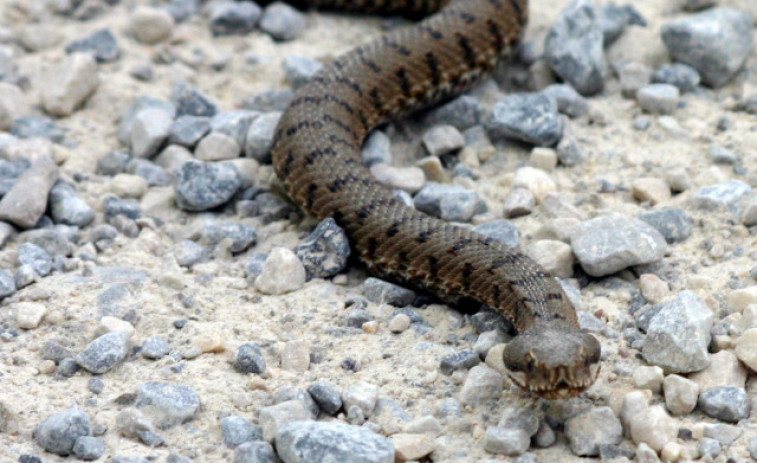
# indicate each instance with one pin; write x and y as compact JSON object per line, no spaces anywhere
{"x":556,"y":383}
{"x":553,"y":362}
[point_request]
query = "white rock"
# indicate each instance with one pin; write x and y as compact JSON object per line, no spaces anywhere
{"x":399,"y":323}
{"x":648,"y":378}
{"x":128,"y":186}
{"x":746,"y":348}
{"x":654,"y":427}
{"x":72,"y":82}
{"x":295,"y":356}
{"x":555,"y":256}
{"x":535,"y":180}
{"x":282,"y":273}
{"x":362,"y":395}
{"x":217,"y":146}
{"x":680,"y":394}
{"x":481,"y":384}
{"x":13,"y":104}
{"x":410,"y":179}
{"x":654,"y":190}
{"x":739,"y":299}
{"x":724,"y":370}
{"x":151,"y":25}
{"x":29,"y":314}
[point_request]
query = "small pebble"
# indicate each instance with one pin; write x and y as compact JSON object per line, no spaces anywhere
{"x":299,"y":69}
{"x":101,"y":44}
{"x":442,"y":139}
{"x":528,"y":117}
{"x":255,"y":452}
{"x":725,"y":403}
{"x":248,"y":358}
{"x":73,"y":81}
{"x":361,"y":394}
{"x":58,"y":432}
{"x":151,"y":25}
{"x":259,"y":137}
{"x":383,"y":292}
{"x":309,"y":441}
{"x":327,"y":396}
{"x":325,"y":251}
{"x":282,"y":273}
{"x":155,"y":347}
{"x":236,"y":430}
{"x":167,"y":404}
{"x":29,"y":314}
{"x":399,"y":323}
{"x":89,"y":448}
{"x":230,"y":18}
{"x":481,"y":385}
{"x":282,"y":22}
{"x":274,"y":417}
{"x":658,"y":98}
{"x":217,"y":146}
{"x":587,"y":431}
{"x":104,"y":353}
{"x":200,"y":186}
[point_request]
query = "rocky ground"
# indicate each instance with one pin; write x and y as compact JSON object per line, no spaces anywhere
{"x":162,"y":301}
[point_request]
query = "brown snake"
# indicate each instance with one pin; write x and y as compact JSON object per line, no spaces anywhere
{"x":317,"y":155}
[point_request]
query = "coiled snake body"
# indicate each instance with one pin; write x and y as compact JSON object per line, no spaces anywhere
{"x":317,"y":155}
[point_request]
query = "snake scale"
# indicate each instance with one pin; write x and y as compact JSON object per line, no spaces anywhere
{"x":316,"y":153}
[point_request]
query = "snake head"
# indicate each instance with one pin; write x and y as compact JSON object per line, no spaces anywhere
{"x":554,"y":362}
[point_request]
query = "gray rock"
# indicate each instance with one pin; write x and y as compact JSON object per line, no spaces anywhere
{"x":612,"y":242}
{"x":34,"y":126}
{"x":167,"y":404}
{"x":383,"y":292}
{"x":633,"y":76}
{"x":182,"y":10}
{"x":58,"y":432}
{"x":236,"y":430}
{"x":327,"y":396}
{"x":709,"y":448}
{"x":574,"y":48}
{"x":725,"y":195}
{"x":674,"y":224}
{"x":54,"y":241}
{"x":519,"y":418}
{"x":255,"y":452}
{"x":55,"y":351}
{"x":148,"y":170}
{"x":299,"y":69}
{"x":188,"y":130}
{"x":190,"y":102}
{"x":101,"y":44}
{"x":68,"y":208}
{"x":269,"y":100}
{"x":188,"y":253}
{"x":462,"y":113}
{"x":88,"y":448}
{"x":104,"y":353}
{"x":155,"y":347}
{"x":127,"y":459}
{"x":242,"y":235}
{"x":325,"y":251}
{"x":377,"y":149}
{"x":588,"y":431}
{"x":721,"y":155}
{"x":149,"y":130}
{"x":26,"y":201}
{"x":678,"y":334}
{"x":683,"y":76}
{"x":201,"y":186}
{"x":658,"y":98}
{"x":24,"y":276}
{"x":569,"y":101}
{"x":113,"y":206}
{"x":461,"y":360}
{"x":113,"y":163}
{"x":248,"y":358}
{"x":449,"y":202}
{"x":103,"y":235}
{"x":308,"y":441}
{"x":282,"y":22}
{"x":234,"y":124}
{"x":230,"y":18}
{"x":715,"y":42}
{"x":254,"y":265}
{"x":137,"y":106}
{"x":36,"y":257}
{"x":259,"y":137}
{"x":613,"y":19}
{"x":528,"y":117}
{"x":442,"y":139}
{"x":507,"y":441}
{"x":117,"y":300}
{"x":501,"y":230}
{"x":725,"y":403}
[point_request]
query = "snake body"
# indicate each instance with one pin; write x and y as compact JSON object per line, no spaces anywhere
{"x":316,"y":153}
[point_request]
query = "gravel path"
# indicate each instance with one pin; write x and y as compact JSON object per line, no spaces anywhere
{"x":160,"y":300}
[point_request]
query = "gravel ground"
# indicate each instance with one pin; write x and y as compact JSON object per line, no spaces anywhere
{"x":161,"y":301}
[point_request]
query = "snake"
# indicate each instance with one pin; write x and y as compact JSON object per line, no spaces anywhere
{"x":316,"y":154}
